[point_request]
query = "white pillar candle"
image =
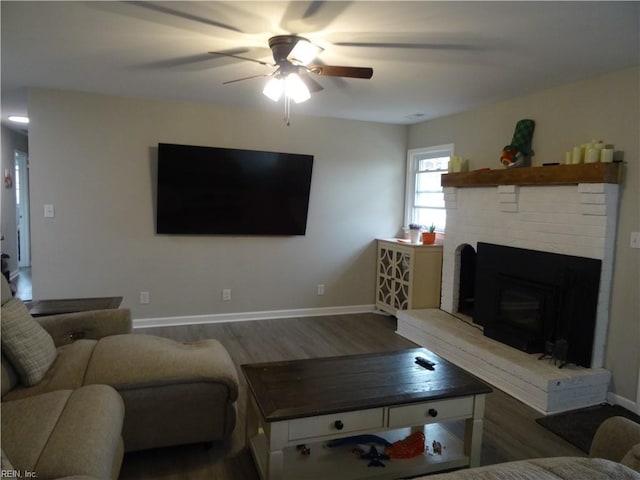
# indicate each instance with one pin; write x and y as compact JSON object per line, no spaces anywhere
{"x":576,"y":155}
{"x":592,"y":155}
{"x":606,"y":155}
{"x":456,"y":164}
{"x":567,"y":158}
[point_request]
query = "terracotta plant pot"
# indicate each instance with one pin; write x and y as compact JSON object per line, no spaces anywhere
{"x":428,"y":238}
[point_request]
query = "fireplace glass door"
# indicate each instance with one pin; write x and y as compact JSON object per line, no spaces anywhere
{"x":524,"y":313}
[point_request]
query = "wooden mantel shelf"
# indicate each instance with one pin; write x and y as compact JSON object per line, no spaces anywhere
{"x":550,"y":175}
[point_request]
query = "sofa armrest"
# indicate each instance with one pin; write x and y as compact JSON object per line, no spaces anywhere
{"x":615,"y":437}
{"x":94,"y":324}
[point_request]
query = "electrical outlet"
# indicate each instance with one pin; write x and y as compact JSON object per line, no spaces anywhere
{"x":144,"y":298}
{"x":635,"y":239}
{"x":321,"y":289}
{"x":226,"y":294}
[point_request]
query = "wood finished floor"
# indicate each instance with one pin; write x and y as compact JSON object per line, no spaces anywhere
{"x":510,"y":430}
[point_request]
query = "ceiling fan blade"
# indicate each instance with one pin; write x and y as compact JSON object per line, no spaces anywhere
{"x":246,"y":78}
{"x":224,"y":54}
{"x":311,"y":16}
{"x":183,"y":14}
{"x":191,"y":62}
{"x":336,"y":71}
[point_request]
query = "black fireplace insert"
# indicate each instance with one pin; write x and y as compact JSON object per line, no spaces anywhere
{"x":530,"y":299}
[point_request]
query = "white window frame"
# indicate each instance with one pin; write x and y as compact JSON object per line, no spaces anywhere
{"x":413,"y":158}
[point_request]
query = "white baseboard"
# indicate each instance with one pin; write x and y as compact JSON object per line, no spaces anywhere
{"x":246,"y":316}
{"x":623,"y":402}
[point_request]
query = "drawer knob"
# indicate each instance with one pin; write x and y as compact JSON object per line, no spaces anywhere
{"x":338,"y":424}
{"x":433,"y":412}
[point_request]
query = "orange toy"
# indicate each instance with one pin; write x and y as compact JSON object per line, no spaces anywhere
{"x":410,"y":447}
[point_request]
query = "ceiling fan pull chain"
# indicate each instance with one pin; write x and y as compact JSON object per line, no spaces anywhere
{"x":287,"y":110}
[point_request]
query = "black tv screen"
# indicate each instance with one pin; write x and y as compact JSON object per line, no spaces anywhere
{"x":208,"y":190}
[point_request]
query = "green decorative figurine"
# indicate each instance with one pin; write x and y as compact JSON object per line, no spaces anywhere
{"x":518,"y":153}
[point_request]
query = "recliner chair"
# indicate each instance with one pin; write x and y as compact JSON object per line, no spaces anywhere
{"x":174,"y":393}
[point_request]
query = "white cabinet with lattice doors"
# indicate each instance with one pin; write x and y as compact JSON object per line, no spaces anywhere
{"x":408,"y":276}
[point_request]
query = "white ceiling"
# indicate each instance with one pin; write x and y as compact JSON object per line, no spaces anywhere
{"x":429,"y":59}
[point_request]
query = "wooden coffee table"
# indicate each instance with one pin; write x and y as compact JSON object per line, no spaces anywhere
{"x":297,"y":405}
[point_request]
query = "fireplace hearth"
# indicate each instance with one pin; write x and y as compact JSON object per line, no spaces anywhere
{"x":530,"y":299}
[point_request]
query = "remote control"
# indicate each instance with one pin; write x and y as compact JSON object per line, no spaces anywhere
{"x":423,"y":362}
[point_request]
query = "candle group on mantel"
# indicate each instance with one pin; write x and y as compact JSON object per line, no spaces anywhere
{"x":593,"y":152}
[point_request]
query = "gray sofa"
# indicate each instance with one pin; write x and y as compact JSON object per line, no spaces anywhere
{"x":614,"y":455}
{"x":79,"y":390}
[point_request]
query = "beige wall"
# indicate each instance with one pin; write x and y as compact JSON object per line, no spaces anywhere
{"x":93,"y":156}
{"x":604,"y":108}
{"x":11,"y":141}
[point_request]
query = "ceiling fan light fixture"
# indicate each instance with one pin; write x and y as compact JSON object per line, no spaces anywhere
{"x":295,"y":88}
{"x":19,"y":119}
{"x":274,"y":88}
{"x":304,"y":51}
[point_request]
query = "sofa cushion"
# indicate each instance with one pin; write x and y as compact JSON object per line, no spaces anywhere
{"x":67,"y":371}
{"x":65,"y":433}
{"x":27,"y":425}
{"x":160,"y":361}
{"x":87,"y":437}
{"x":25,"y":343}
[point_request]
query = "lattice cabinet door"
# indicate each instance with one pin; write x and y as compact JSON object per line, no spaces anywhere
{"x":408,"y":276}
{"x":385,"y":284}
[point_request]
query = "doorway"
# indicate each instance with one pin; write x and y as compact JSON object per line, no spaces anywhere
{"x":21,"y":161}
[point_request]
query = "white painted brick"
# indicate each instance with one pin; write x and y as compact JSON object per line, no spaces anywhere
{"x":448,"y":190}
{"x":450,"y":197}
{"x":591,"y":187}
{"x":593,"y":198}
{"x":559,"y":218}
{"x":561,"y":228}
{"x":507,"y":189}
{"x":592,"y":209}
{"x":508,"y":198}
{"x":573,"y":208}
{"x":509,"y":207}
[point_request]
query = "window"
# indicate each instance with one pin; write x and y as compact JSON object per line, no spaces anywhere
{"x":425,"y":200}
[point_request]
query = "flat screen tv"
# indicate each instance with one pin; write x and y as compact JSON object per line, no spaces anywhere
{"x":224,"y":191}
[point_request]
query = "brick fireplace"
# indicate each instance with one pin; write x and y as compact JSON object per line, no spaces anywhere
{"x":578,"y":220}
{"x":573,"y":216}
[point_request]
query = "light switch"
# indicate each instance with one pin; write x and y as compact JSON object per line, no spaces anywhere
{"x":48,"y":211}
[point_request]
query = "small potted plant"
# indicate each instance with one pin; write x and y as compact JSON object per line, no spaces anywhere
{"x":414,"y":232}
{"x":429,"y":237}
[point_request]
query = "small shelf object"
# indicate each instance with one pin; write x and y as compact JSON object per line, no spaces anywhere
{"x":408,"y":276}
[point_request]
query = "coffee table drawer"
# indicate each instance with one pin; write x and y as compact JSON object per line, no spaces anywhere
{"x":430,"y":412}
{"x":342,"y":423}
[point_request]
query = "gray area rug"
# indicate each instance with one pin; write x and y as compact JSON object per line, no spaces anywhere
{"x":579,"y":426}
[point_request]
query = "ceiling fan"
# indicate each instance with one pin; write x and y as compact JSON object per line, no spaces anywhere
{"x":291,"y":78}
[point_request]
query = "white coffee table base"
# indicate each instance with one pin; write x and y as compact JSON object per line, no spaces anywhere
{"x":274,"y":444}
